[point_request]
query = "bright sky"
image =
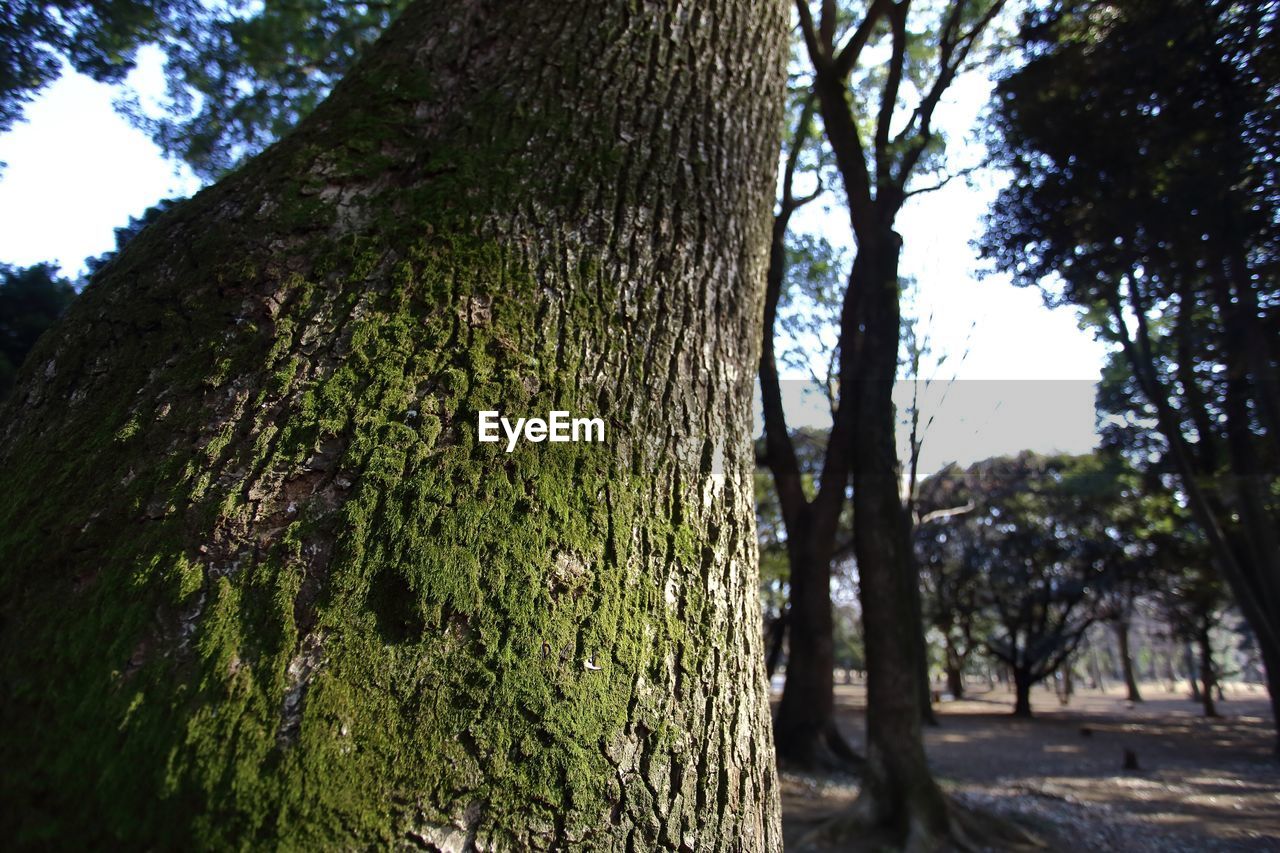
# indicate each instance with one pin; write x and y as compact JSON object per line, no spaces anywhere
{"x":76,"y":170}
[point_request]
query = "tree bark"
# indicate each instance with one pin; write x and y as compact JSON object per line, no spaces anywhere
{"x":263,"y":585}
{"x":1126,"y":662}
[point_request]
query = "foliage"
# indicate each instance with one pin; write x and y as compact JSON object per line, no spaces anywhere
{"x":1016,"y":551}
{"x":98,"y":38}
{"x":31,"y":300}
{"x":1141,"y":139}
{"x":1141,"y":145}
{"x":238,"y":73}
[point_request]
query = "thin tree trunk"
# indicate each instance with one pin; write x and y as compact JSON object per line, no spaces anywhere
{"x":263,"y":586}
{"x":898,"y":788}
{"x":1207,"y":677}
{"x":1126,"y":662}
{"x":777,"y":637}
{"x":955,"y":670}
{"x":1189,"y":660}
{"x":804,"y":726}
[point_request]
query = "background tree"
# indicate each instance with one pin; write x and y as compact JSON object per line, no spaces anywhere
{"x":1193,"y":602}
{"x":238,"y":74}
{"x":882,"y":136}
{"x":31,"y":300}
{"x":1034,"y":549}
{"x":262,"y":586}
{"x":810,"y":498}
{"x":951,"y":568}
{"x":1141,"y":138}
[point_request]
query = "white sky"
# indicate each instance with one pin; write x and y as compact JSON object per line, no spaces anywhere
{"x":76,"y":170}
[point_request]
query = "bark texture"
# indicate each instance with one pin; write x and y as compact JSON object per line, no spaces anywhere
{"x":262,"y":586}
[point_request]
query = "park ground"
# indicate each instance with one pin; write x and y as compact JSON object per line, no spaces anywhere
{"x":1201,"y":784}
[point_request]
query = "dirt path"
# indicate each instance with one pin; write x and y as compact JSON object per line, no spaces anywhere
{"x":1200,"y":784}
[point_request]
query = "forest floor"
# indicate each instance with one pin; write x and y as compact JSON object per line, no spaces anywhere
{"x":1202,"y":784}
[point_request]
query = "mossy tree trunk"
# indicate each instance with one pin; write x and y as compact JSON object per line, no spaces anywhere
{"x":261,"y":583}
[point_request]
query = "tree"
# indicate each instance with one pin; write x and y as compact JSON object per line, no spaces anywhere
{"x":240,"y":75}
{"x":1193,"y":606}
{"x":1141,"y":140}
{"x":1049,"y":555}
{"x":31,"y":300}
{"x":810,"y":488}
{"x":954,"y":585}
{"x":880,"y":142}
{"x":1033,"y":534}
{"x":263,"y":585}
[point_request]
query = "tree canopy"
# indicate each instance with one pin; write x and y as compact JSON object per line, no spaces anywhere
{"x":1141,"y":138}
{"x":238,"y":74}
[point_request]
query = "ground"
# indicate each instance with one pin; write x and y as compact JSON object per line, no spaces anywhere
{"x":1201,"y":785}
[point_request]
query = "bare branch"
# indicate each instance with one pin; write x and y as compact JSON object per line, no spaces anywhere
{"x":965,"y":172}
{"x":817,"y":55}
{"x":889,"y":94}
{"x":799,"y":138}
{"x":953,"y":51}
{"x":939,"y":514}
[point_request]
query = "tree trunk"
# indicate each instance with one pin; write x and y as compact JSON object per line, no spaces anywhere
{"x":1126,"y":662}
{"x":1207,"y":677}
{"x":777,"y":637}
{"x":263,"y":585}
{"x":804,"y":728}
{"x":955,"y":680}
{"x":911,"y":580}
{"x":898,"y":788}
{"x":1189,"y":659}
{"x":1022,"y":693}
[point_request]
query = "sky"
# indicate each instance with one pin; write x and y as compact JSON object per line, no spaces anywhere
{"x":1016,"y":375}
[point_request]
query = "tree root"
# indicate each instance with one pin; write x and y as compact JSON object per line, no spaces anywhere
{"x":969,"y":830}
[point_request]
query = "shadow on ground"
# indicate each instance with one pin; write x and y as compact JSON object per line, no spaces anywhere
{"x":1201,"y":785}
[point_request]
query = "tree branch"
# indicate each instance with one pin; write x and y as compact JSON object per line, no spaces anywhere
{"x":817,"y":54}
{"x":889,"y":94}
{"x":847,"y":57}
